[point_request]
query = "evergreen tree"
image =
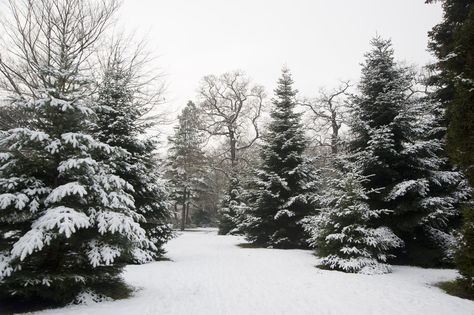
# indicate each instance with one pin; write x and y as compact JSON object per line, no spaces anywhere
{"x":187,"y":170}
{"x":343,"y":231}
{"x":282,"y":178}
{"x":120,"y":124}
{"x":399,"y":139}
{"x":66,"y":217}
{"x":452,"y":42}
{"x":375,"y":110}
{"x":67,"y":221}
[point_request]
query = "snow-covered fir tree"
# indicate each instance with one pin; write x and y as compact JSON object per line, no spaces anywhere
{"x":343,"y":231}
{"x":66,"y":217}
{"x":374,"y":118}
{"x":187,"y":168}
{"x":121,"y":122}
{"x":67,"y":221}
{"x":399,"y":138}
{"x":282,"y":180}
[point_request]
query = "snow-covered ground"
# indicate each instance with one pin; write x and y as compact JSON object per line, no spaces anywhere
{"x":210,"y":274}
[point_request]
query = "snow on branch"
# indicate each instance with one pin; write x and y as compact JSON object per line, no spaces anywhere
{"x":101,"y":254}
{"x":401,"y":189}
{"x":19,"y":200}
{"x":73,"y":163}
{"x":73,"y":188}
{"x":114,"y":222}
{"x":5,"y":267}
{"x":65,"y":219}
{"x":34,"y":239}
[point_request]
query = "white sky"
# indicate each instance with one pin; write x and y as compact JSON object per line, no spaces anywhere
{"x":321,"y":41}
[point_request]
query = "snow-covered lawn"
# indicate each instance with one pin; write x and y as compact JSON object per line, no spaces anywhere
{"x":210,"y":274}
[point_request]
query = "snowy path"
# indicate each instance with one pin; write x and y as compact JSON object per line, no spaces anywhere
{"x":209,"y":275}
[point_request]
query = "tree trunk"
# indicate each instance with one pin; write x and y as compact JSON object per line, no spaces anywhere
{"x":334,"y":138}
{"x":183,"y":211}
{"x":187,"y":214}
{"x":335,"y":131}
{"x":233,"y":148}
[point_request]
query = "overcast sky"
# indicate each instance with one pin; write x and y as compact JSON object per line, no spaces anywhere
{"x":321,"y":41}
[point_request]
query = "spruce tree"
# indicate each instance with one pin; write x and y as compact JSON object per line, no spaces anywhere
{"x":66,"y":218}
{"x":67,"y":221}
{"x":186,"y":169}
{"x":400,"y":139}
{"x":452,"y":42}
{"x":121,"y":123}
{"x":282,"y":178}
{"x":343,"y":231}
{"x":374,"y":124}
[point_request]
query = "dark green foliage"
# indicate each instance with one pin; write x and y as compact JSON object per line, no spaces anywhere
{"x":464,"y":256}
{"x":281,"y":185}
{"x":452,"y":42}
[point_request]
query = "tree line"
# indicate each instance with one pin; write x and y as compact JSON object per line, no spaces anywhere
{"x":368,"y":174}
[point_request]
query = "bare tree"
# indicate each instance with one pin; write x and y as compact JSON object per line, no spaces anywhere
{"x":43,"y":35}
{"x":328,"y":113}
{"x":144,"y":79}
{"x":231,"y":106}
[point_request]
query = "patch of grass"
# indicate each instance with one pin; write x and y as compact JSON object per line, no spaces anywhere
{"x":116,"y":290}
{"x":456,"y":288}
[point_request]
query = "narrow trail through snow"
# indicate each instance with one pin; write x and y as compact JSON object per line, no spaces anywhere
{"x":210,"y":274}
